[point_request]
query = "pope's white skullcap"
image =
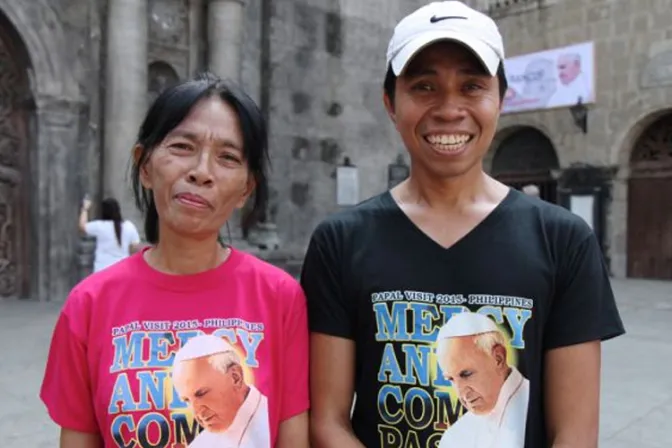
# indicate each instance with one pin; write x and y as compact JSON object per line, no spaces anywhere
{"x":200,"y":346}
{"x":467,"y":324}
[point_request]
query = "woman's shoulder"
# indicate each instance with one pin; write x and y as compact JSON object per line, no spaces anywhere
{"x":93,"y":286}
{"x":267,"y":274}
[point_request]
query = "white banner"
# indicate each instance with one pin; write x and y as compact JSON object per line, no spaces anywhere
{"x":347,"y":185}
{"x":582,"y":205}
{"x":551,"y":78}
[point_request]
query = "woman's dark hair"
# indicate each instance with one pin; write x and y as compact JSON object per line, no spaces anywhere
{"x":170,"y":108}
{"x":110,"y":211}
{"x":390,"y":82}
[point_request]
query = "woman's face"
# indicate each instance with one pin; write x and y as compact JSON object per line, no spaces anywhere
{"x":198,"y":174}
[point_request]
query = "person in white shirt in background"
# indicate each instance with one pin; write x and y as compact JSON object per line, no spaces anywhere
{"x":472,"y":354}
{"x":116,"y":239}
{"x":531,"y":190}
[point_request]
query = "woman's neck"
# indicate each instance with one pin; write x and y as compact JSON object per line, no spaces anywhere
{"x":183,"y":256}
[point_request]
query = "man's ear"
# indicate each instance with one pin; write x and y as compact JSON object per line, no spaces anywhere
{"x":237,"y":375}
{"x":389,"y":106}
{"x":144,"y":174}
{"x":499,"y":353}
{"x":249,"y":189}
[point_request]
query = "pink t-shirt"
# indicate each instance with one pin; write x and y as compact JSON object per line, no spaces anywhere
{"x":110,"y":366}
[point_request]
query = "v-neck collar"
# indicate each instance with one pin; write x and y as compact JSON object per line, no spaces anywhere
{"x":486,"y":223}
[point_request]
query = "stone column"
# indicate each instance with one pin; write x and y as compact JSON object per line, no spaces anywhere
{"x":226,"y":20}
{"x":196,"y":36}
{"x":125,"y":96}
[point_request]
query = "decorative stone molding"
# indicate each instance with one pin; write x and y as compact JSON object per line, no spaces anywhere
{"x":501,"y":8}
{"x":42,"y":33}
{"x":168,"y":21}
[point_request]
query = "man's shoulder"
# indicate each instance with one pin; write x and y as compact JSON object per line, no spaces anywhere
{"x":557,"y":222}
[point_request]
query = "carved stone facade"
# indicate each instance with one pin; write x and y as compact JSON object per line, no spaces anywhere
{"x":316,"y":67}
{"x":76,"y":76}
{"x":44,"y":142}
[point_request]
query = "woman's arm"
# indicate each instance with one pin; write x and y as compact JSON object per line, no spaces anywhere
{"x":293,"y":433}
{"x":84,"y":215}
{"x":75,"y":439}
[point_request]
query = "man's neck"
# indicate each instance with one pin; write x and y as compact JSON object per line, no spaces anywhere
{"x":183,"y":256}
{"x":449,"y":194}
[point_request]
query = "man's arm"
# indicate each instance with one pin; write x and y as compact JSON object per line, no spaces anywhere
{"x":293,"y":433}
{"x":572,"y":389}
{"x":582,"y":315}
{"x":76,"y":439}
{"x":332,"y":386}
{"x":325,"y":278}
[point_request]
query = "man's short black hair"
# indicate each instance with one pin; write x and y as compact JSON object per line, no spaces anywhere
{"x":391,"y":81}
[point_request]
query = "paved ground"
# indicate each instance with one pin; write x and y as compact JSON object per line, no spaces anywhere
{"x":637,"y":385}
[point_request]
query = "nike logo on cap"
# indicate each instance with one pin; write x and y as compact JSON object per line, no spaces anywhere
{"x":435,"y":19}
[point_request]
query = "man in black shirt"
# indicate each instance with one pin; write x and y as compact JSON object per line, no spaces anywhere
{"x":461,"y":313}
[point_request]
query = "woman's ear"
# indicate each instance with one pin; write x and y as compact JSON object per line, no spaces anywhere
{"x":249,"y":189}
{"x":144,"y":173}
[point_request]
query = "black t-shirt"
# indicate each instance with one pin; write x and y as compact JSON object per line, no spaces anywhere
{"x":450,"y":342}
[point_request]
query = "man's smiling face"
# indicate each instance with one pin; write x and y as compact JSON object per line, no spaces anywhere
{"x":446,"y":108}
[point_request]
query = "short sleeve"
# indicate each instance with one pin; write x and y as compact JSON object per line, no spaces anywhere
{"x":92,"y":228}
{"x":294,"y":387}
{"x":584,"y":308}
{"x":66,"y":387}
{"x":321,"y":279}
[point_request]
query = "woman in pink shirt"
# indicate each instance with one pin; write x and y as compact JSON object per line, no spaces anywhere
{"x":189,"y":342}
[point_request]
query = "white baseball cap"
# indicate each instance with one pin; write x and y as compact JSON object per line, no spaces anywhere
{"x":446,"y":20}
{"x":466,"y":324}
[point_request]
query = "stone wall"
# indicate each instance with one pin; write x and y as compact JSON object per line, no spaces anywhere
{"x":56,"y":37}
{"x":325,"y":77}
{"x":328,"y":66}
{"x":633,"y":44}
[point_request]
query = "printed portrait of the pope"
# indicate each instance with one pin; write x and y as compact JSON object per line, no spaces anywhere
{"x":472,"y":355}
{"x":208,"y":375}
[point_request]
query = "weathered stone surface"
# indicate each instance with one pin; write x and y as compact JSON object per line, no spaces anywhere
{"x":336,"y":52}
{"x":58,"y":42}
{"x":125,"y":96}
{"x":633,"y":77}
{"x":322,"y":88}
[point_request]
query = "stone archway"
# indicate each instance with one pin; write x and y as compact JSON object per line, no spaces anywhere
{"x":649,"y":242}
{"x":16,"y":106}
{"x":527,"y":156}
{"x":161,"y":75}
{"x":52,"y":110}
